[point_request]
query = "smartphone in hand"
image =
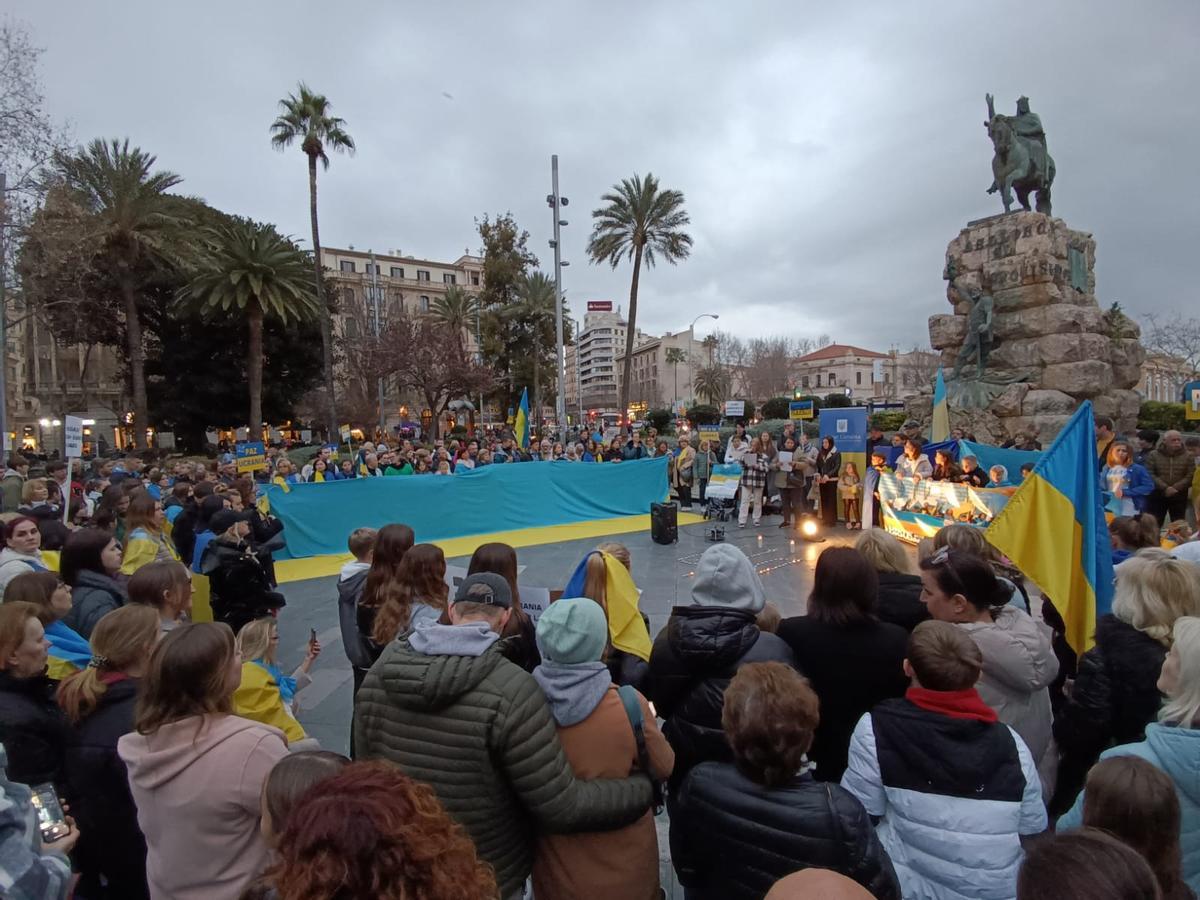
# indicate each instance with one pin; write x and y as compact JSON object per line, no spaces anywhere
{"x":51,"y":819}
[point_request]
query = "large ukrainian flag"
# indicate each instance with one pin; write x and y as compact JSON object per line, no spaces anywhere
{"x":939,"y":429}
{"x":1053,"y":530}
{"x":521,"y":427}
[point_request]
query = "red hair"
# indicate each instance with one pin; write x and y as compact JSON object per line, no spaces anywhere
{"x":371,"y":831}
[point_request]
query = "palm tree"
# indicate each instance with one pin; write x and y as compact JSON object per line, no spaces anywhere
{"x":128,"y":203}
{"x":675,"y":356}
{"x":711,"y":382}
{"x":253,"y":271}
{"x":457,"y":310}
{"x":304,"y":117}
{"x":638,"y":222}
{"x":534,"y":309}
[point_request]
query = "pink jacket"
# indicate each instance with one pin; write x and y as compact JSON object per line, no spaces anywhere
{"x":197,"y":785}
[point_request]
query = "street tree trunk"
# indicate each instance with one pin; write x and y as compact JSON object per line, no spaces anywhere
{"x":137,"y":357}
{"x":323,"y":305}
{"x":630,"y":332}
{"x":254,"y":370}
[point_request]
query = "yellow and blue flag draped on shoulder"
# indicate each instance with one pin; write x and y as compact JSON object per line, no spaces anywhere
{"x":939,"y":428}
{"x":1053,"y":530}
{"x":626,"y":627}
{"x":522,"y":425}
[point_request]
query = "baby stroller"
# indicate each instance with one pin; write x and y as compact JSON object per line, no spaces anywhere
{"x":720,"y":499}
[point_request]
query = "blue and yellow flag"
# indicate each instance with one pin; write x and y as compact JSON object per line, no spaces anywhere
{"x":939,"y":428}
{"x":626,"y":627}
{"x":1053,"y":530}
{"x":521,"y":428}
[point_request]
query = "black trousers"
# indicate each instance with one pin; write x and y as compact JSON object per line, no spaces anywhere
{"x":829,"y":503}
{"x":1166,"y":508}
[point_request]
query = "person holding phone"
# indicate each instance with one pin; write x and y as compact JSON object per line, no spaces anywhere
{"x":31,"y":866}
{"x":265,"y":694}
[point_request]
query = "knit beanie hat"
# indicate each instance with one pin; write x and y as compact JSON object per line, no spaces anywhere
{"x":572,"y":630}
{"x":726,"y":577}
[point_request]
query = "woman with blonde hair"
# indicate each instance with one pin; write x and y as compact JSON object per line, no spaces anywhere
{"x":264,"y":693}
{"x":189,"y":752}
{"x":1116,"y":693}
{"x":99,"y":702}
{"x":899,"y":589}
{"x":146,"y":540}
{"x":1172,"y":744}
{"x":604,"y":577}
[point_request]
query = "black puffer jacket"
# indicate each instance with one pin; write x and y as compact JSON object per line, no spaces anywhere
{"x":110,"y":842}
{"x":735,"y":838}
{"x":1115,"y":697}
{"x":33,"y":729}
{"x":92,"y":598}
{"x":240,"y":589}
{"x":900,"y":600}
{"x":693,"y":660}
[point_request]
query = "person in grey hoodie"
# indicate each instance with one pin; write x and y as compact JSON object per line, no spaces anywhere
{"x":444,"y":704}
{"x":351,"y":581}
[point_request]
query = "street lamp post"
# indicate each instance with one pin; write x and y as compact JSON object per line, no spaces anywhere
{"x":692,"y":340}
{"x":556,"y":202}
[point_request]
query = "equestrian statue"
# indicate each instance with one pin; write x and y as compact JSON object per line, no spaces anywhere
{"x":1021,"y":162}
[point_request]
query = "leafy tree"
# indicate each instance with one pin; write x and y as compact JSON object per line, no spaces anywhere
{"x":836,"y":401}
{"x":777,"y":408}
{"x":533,"y":316}
{"x":304,"y":117}
{"x":712,"y":382}
{"x":456,"y":309}
{"x":638,"y":222}
{"x":674,"y":356}
{"x":889,"y":419}
{"x":505,"y":343}
{"x":127,"y":204}
{"x":703,"y":415}
{"x":254,"y":272}
{"x":1163,"y":416}
{"x":660,"y":420}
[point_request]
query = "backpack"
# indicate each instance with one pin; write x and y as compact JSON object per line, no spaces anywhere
{"x":633,"y":709}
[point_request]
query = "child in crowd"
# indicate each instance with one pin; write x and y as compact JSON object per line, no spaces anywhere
{"x":878,"y":467}
{"x":850,"y":489}
{"x":1129,"y":534}
{"x":167,"y":586}
{"x":954,"y":790}
{"x":705,"y":460}
{"x":1026,"y":470}
{"x":999,"y":477}
{"x":351,"y":581}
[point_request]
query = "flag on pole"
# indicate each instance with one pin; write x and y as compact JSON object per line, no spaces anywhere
{"x":939,"y":428}
{"x":521,"y":428}
{"x":1053,"y":530}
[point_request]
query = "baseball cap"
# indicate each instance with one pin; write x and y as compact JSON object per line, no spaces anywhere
{"x":226,"y":519}
{"x":485,"y":587}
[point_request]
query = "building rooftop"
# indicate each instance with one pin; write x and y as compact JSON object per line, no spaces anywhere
{"x":836,"y":351}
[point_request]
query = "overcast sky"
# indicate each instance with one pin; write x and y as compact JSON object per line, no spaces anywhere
{"x":827,"y":152}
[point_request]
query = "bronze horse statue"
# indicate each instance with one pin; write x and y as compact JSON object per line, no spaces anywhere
{"x":1020,"y":164}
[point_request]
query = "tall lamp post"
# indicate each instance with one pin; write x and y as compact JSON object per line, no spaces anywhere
{"x":692,"y":337}
{"x":556,"y":202}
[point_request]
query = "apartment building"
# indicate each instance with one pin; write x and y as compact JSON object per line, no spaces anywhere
{"x":864,"y":375}
{"x":591,"y":361}
{"x":658,"y":382}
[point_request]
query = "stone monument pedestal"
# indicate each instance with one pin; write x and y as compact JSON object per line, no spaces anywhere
{"x":1053,"y":346}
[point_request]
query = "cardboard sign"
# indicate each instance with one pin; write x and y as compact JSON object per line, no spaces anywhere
{"x":735,"y":408}
{"x":712,"y":435}
{"x":73,"y":437}
{"x":800,"y":409}
{"x":251,"y":457}
{"x":345,"y":433}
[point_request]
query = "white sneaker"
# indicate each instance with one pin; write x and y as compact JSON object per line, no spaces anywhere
{"x":741,"y":524}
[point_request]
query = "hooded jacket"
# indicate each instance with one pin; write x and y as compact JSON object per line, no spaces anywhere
{"x":460,"y":717}
{"x":1114,"y":698}
{"x":350,"y":586}
{"x":900,"y":600}
{"x":13,"y":564}
{"x":212,"y":771}
{"x":93,"y":596}
{"x":736,"y":838}
{"x":240,"y":590}
{"x":110,"y":842}
{"x":1018,"y":666}
{"x":1176,"y":751}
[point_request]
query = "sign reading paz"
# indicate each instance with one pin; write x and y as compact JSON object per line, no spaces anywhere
{"x":251,"y":457}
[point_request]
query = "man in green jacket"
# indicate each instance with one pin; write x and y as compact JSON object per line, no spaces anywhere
{"x":13,"y":482}
{"x":446,"y":706}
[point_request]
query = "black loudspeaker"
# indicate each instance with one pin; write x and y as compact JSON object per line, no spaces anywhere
{"x":664,"y":523}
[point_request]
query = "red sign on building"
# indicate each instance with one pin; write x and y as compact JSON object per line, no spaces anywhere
{"x":599,"y":306}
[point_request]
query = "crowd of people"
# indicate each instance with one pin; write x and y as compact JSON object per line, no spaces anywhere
{"x":920,"y":731}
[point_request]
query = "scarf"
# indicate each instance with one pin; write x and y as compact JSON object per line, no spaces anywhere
{"x":67,"y":644}
{"x":574,"y":691}
{"x":287,"y":684}
{"x":626,"y":627}
{"x":955,"y":704}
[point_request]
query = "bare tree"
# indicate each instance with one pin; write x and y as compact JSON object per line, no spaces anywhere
{"x":769,"y":367}
{"x":823,"y":340}
{"x":1175,"y":337}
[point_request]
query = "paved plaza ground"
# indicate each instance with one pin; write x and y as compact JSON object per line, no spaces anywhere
{"x":664,"y":574}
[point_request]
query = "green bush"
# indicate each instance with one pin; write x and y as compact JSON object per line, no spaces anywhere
{"x":776,"y":408}
{"x":660,"y":420}
{"x":1163,"y":416}
{"x":836,"y":401}
{"x":889,"y":419}
{"x":704,"y":415}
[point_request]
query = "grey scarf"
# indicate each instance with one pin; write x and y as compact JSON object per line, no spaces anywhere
{"x":573,"y":691}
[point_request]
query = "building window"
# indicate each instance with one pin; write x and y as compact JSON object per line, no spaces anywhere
{"x":448,"y":278}
{"x":348,"y":296}
{"x":832,"y":378}
{"x":422,"y":274}
{"x":818,"y":379}
{"x":858,"y":377}
{"x":475,"y":279}
{"x":397,"y":272}
{"x":368,"y":268}
{"x":804,"y":381}
{"x":351,"y":327}
{"x":424,"y":303}
{"x":346,"y":265}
